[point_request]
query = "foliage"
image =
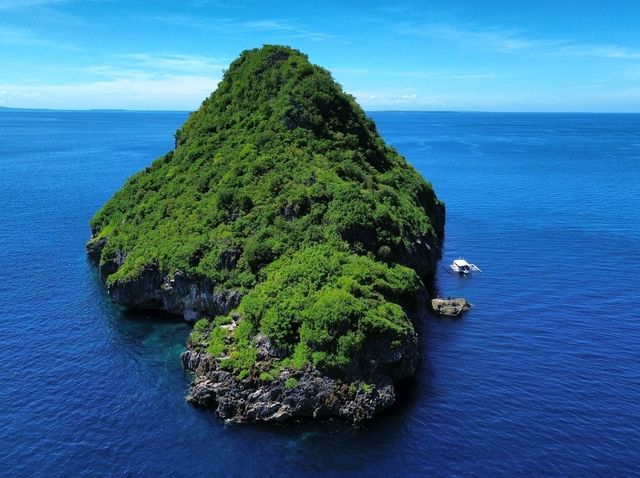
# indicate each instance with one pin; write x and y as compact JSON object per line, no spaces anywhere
{"x":281,"y":187}
{"x":321,"y":305}
{"x":216,"y":341}
{"x":200,"y":329}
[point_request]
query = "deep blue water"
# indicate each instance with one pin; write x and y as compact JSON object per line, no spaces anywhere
{"x":540,"y":378}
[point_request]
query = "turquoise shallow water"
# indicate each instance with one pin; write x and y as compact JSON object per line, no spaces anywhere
{"x":542,"y":377}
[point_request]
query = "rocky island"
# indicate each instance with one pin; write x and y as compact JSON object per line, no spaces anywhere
{"x":300,"y":244}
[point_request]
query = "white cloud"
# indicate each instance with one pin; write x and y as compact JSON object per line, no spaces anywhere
{"x":425,"y":75}
{"x":600,"y":51}
{"x":17,"y":36}
{"x":189,"y":21}
{"x":132,"y":81}
{"x":147,"y":66}
{"x":502,"y":40}
{"x":23,"y":37}
{"x":623,"y":100}
{"x":510,"y":41}
{"x":206,"y":3}
{"x":284,"y":28}
{"x":185,"y":92}
{"x":287,"y":27}
{"x":24,"y":4}
{"x":171,"y":93}
{"x":173,"y":62}
{"x":388,"y":99}
{"x":17,"y":4}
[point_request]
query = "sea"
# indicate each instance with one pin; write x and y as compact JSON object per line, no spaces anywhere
{"x":540,"y":378}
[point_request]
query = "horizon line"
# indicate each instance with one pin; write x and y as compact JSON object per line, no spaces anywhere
{"x":127,"y":110}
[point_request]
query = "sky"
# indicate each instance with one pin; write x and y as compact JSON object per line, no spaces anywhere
{"x":481,"y":55}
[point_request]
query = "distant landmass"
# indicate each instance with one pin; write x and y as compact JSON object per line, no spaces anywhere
{"x":300,"y":243}
{"x":6,"y":108}
{"x":94,"y":110}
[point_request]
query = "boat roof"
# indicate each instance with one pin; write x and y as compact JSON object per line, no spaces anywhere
{"x":461,"y":262}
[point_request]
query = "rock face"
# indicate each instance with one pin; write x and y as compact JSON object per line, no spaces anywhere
{"x":294,"y":394}
{"x":180,"y":294}
{"x":303,"y":394}
{"x":298,"y":395}
{"x":192,"y":297}
{"x":450,"y":307}
{"x":426,"y":251}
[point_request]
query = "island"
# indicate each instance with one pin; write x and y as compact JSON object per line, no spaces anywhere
{"x":301,"y":245}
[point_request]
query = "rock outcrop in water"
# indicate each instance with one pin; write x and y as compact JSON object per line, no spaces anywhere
{"x":300,"y":241}
{"x":450,"y":307}
{"x":293,"y":395}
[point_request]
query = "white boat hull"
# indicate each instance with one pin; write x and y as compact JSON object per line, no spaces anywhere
{"x":465,"y":268}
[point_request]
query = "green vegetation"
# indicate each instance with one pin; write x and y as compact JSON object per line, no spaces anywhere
{"x":280,"y":187}
{"x":320,"y":305}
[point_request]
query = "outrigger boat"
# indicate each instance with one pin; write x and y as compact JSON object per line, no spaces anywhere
{"x":463,"y":267}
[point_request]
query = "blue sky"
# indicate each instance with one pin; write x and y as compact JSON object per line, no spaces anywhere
{"x":445,"y":55}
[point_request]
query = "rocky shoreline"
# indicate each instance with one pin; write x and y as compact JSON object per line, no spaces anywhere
{"x":193,"y":297}
{"x":302,"y":394}
{"x":294,"y":395}
{"x":152,"y":289}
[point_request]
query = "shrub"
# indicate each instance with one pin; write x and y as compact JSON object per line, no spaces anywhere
{"x":281,"y":187}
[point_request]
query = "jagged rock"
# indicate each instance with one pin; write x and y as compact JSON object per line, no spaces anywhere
{"x":450,"y":307}
{"x":94,"y":249}
{"x":266,"y":348}
{"x":295,"y":395}
{"x":180,"y":294}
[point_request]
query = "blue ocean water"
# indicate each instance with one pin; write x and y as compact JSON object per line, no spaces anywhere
{"x":540,"y":378}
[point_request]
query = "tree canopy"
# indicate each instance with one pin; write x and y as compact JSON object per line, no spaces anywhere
{"x":280,"y":187}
